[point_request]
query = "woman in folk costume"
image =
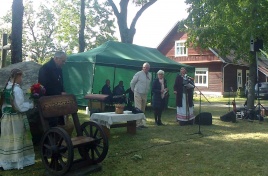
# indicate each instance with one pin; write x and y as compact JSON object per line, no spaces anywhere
{"x":159,"y":90}
{"x":16,"y":148}
{"x":184,"y":98}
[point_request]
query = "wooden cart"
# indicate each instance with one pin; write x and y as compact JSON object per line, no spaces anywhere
{"x":57,"y":147}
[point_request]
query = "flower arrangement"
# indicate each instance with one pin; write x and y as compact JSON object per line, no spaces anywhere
{"x":36,"y":91}
{"x":119,"y":108}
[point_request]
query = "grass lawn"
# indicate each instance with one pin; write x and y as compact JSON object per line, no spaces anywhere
{"x":224,"y":148}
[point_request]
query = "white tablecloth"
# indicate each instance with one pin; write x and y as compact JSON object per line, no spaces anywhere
{"x":108,"y":118}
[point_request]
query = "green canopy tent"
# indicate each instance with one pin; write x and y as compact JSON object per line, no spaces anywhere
{"x":86,"y":72}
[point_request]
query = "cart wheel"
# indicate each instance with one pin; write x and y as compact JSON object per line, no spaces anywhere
{"x":57,"y":151}
{"x":97,"y":150}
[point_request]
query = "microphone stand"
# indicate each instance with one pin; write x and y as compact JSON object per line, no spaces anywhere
{"x":200,"y":93}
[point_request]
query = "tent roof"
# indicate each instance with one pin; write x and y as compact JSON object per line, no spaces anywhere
{"x":126,"y":55}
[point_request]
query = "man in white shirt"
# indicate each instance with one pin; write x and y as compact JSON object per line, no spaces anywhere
{"x":140,"y":85}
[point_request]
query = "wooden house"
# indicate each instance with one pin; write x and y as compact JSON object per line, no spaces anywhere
{"x":214,"y":75}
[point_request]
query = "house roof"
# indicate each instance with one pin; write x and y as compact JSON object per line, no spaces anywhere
{"x":262,"y":62}
{"x":263,"y":65}
{"x":228,"y":59}
{"x":173,"y":30}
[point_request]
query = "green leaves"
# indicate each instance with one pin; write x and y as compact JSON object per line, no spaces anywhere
{"x":54,"y":25}
{"x":226,"y":25}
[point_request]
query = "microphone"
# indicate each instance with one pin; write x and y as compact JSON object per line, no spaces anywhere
{"x":188,"y":77}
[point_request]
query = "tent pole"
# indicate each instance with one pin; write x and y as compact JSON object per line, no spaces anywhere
{"x":94,"y":68}
{"x":114,"y":76}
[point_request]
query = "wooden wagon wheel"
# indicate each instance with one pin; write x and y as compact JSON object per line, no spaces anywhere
{"x":97,"y":150}
{"x":57,"y":151}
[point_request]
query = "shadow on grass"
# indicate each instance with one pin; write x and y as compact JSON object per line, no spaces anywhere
{"x":225,"y":148}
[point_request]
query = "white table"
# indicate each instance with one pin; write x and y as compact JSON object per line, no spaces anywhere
{"x":112,"y":120}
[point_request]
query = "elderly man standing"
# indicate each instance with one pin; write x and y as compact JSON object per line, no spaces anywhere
{"x":140,"y":85}
{"x":50,"y":76}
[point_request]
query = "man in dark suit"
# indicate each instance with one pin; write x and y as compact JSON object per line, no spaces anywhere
{"x":50,"y":76}
{"x":106,"y":90}
{"x":119,"y":93}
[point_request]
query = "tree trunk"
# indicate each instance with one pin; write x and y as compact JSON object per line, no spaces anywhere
{"x":16,"y":35}
{"x":127,"y":34}
{"x":4,"y":51}
{"x":82,"y":27}
{"x":251,"y":83}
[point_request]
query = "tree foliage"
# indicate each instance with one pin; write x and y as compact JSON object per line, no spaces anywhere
{"x":39,"y":28}
{"x":99,"y":24}
{"x":228,"y":26}
{"x":54,"y":25}
{"x":6,"y":29}
{"x":127,"y":33}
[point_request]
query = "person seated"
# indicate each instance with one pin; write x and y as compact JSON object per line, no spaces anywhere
{"x":119,"y":89}
{"x":119,"y":93}
{"x":106,"y":90}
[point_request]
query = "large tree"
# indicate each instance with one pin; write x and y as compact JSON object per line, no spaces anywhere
{"x":228,"y":26}
{"x":82,"y":27}
{"x":6,"y":30}
{"x":127,"y":32}
{"x":16,"y":36}
{"x":99,"y":24}
{"x":39,"y":29}
{"x":54,"y":25}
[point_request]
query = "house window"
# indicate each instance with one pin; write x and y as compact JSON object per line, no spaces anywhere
{"x":239,"y":78}
{"x":180,"y":48}
{"x":201,"y":77}
{"x":247,"y":75}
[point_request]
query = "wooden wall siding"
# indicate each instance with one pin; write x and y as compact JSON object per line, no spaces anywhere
{"x":193,"y":53}
{"x":169,"y":44}
{"x":205,"y":59}
{"x":199,"y":58}
{"x":167,"y":47}
{"x":199,"y":52}
{"x":230,"y":77}
{"x":262,"y":77}
{"x":214,"y":77}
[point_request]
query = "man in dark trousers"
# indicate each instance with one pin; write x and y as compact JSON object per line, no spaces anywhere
{"x":50,"y":76}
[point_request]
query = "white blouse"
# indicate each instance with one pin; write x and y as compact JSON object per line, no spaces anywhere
{"x":19,"y":102}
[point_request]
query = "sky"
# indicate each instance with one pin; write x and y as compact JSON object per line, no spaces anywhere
{"x":152,"y":26}
{"x":156,"y":21}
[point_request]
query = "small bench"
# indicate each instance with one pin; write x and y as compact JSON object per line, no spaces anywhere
{"x":110,"y":120}
{"x":96,"y":102}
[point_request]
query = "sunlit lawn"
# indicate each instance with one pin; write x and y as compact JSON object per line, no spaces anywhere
{"x":224,"y":148}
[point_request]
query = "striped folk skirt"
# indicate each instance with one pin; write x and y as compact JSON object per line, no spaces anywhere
{"x":185,"y":113}
{"x":16,"y":147}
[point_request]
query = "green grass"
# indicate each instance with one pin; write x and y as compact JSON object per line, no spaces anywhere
{"x":224,"y":148}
